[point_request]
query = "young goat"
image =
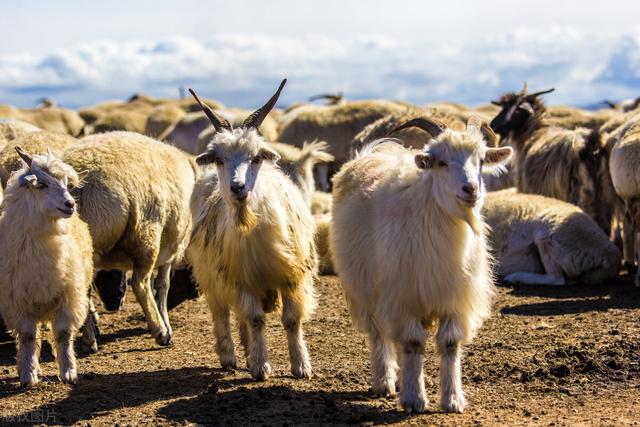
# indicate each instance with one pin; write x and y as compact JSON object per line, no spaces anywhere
{"x":46,"y":267}
{"x":252,"y":244}
{"x":410,"y":246}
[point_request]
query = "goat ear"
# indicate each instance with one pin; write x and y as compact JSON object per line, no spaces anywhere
{"x":26,"y":157}
{"x":206,"y":158}
{"x":82,"y":175}
{"x":424,"y":160}
{"x":268,"y":153}
{"x":29,"y":181}
{"x":496,"y":156}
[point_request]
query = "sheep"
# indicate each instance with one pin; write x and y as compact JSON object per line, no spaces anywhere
{"x":10,"y":129}
{"x":252,"y":244}
{"x":574,"y":118}
{"x":543,"y":241}
{"x":161,"y":118}
{"x":53,"y":119}
{"x":337,"y":125}
{"x":184,"y":133}
{"x":569,"y":165}
{"x":409,"y":245}
{"x":46,"y":265}
{"x":36,"y":142}
{"x":126,"y":120}
{"x":135,"y":199}
{"x":625,"y":154}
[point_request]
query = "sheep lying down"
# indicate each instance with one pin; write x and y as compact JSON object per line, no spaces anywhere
{"x":543,"y":241}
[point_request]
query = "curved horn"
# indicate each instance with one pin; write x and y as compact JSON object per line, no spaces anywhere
{"x":433,"y":127}
{"x":542,"y":92}
{"x":524,"y":90}
{"x":486,"y":131}
{"x":218,"y":122}
{"x":333,"y":98}
{"x":256,"y":118}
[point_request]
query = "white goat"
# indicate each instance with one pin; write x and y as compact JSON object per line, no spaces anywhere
{"x":410,"y":246}
{"x":46,"y":265}
{"x":252,"y":244}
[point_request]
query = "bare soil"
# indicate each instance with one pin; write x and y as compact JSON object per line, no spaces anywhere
{"x":548,"y":356}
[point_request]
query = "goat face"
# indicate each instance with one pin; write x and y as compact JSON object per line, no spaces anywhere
{"x":517,"y":108}
{"x":455,"y":160}
{"x":513,"y":116}
{"x":49,"y":180}
{"x":238,"y":156}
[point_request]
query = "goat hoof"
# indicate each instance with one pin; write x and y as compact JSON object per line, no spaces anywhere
{"x":70,"y":376}
{"x":229,"y":365}
{"x":413,"y":404}
{"x":164,"y":340}
{"x":29,"y":380}
{"x":261,"y":372}
{"x":89,"y":348}
{"x":384,"y":389}
{"x":454,"y":403}
{"x":302,"y":371}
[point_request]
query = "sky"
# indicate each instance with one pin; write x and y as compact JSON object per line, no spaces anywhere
{"x":81,"y":53}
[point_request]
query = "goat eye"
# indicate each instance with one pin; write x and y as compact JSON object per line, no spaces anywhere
{"x":41,"y":185}
{"x":256,"y":160}
{"x":442,"y":163}
{"x":218,"y":162}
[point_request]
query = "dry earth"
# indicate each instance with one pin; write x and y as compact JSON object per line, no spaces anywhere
{"x":549,"y":356}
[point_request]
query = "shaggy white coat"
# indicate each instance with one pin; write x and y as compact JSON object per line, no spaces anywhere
{"x":248,"y":256}
{"x":411,"y":256}
{"x":46,"y":267}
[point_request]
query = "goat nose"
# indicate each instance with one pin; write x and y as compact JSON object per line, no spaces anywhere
{"x":237,"y":188}
{"x":470,"y":189}
{"x":70,"y":203}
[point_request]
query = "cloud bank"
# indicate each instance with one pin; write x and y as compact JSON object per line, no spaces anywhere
{"x":243,"y":70}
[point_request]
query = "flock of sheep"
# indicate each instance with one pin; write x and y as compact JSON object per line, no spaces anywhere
{"x":416,"y":209}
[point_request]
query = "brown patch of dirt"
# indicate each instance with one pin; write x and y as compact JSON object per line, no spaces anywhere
{"x":548,"y":356}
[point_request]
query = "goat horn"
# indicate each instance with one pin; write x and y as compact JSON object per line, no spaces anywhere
{"x":477,"y":122}
{"x":330,"y":96}
{"x":256,"y":118}
{"x":24,"y":156}
{"x":433,"y":127}
{"x":542,"y":92}
{"x":218,"y":122}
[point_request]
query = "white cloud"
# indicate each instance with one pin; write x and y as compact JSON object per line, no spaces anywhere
{"x":244,"y":69}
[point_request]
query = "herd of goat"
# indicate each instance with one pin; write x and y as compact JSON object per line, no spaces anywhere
{"x":416,"y":209}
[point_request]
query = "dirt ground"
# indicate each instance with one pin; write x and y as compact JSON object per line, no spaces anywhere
{"x":548,"y":356}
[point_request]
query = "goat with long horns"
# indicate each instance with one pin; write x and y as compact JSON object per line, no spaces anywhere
{"x":252,"y":243}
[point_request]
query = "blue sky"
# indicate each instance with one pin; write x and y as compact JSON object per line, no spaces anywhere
{"x":83,"y":52}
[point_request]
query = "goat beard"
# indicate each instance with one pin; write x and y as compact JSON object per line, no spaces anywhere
{"x":246,"y":219}
{"x":474,"y":220}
